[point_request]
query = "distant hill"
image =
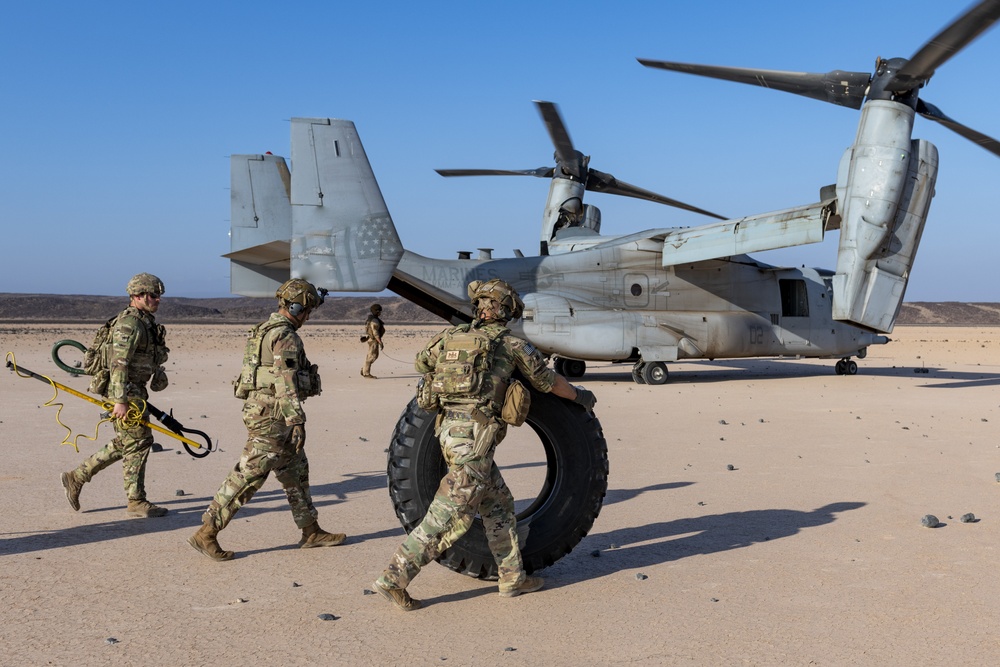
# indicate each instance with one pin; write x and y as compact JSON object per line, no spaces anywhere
{"x":950,"y":312}
{"x":83,"y":308}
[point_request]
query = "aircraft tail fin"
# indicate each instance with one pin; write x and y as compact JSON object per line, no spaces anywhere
{"x":343,"y":237}
{"x":260,"y":225}
{"x":325,"y":220}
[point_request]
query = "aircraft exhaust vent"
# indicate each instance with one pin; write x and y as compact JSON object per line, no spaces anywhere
{"x":485,"y":253}
{"x":464,"y":254}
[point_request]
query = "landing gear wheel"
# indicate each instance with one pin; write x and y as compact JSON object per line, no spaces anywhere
{"x":847,"y":367}
{"x":655,"y":372}
{"x":574,"y":368}
{"x":555,"y":522}
{"x":637,"y":373}
{"x":569,"y":368}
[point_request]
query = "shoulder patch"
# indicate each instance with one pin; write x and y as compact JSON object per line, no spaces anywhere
{"x":529,"y":348}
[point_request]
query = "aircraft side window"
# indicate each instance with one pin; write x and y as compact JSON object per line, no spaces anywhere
{"x":794,"y":298}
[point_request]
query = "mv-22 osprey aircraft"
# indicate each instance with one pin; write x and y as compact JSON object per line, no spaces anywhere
{"x":649,"y":298}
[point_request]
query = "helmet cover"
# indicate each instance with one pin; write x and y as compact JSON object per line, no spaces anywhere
{"x":511,"y":306}
{"x":300,"y":291}
{"x":144,"y":283}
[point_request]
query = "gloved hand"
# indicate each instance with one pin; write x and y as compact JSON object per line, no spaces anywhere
{"x":381,"y":345}
{"x":585,"y":397}
{"x":298,"y":437}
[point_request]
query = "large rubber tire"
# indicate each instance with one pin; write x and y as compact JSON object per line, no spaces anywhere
{"x":561,"y":515}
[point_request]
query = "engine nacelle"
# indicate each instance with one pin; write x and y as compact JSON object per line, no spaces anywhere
{"x":884,"y":185}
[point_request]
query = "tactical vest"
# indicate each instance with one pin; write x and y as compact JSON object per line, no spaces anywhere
{"x":464,"y":365}
{"x":150,"y":352}
{"x":257,"y":375}
{"x":248,"y":381}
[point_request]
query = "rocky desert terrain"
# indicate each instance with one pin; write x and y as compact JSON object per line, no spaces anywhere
{"x":758,"y":512}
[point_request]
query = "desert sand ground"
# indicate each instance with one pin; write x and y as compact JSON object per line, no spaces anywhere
{"x":809,"y":551}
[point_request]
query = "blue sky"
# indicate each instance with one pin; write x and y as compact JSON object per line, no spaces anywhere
{"x":119,"y":118}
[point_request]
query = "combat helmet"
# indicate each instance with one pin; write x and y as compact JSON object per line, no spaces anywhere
{"x":296,"y":295}
{"x":511,"y":306}
{"x":375,"y":308}
{"x":144,"y":283}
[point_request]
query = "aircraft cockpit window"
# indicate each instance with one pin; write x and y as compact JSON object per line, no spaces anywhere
{"x":794,"y":298}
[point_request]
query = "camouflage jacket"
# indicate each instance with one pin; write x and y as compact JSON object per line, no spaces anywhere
{"x":374,"y":328}
{"x":138,"y":348}
{"x":510,"y":353}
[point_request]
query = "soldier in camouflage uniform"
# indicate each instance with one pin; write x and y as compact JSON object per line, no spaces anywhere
{"x":136,"y":358}
{"x":374,"y":330}
{"x":275,"y":381}
{"x":469,"y":428}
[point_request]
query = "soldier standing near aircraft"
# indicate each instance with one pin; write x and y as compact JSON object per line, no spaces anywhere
{"x":374,"y":330}
{"x":132,"y":357}
{"x":470,"y":425}
{"x":276,"y":379}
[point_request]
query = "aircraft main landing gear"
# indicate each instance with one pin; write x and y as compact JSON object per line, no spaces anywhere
{"x":846,"y":366}
{"x":652,"y":372}
{"x":570,"y":368}
{"x":637,"y":373}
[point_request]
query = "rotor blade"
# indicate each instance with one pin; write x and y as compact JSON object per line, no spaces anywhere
{"x":928,"y":110}
{"x":846,"y":89}
{"x":566,"y":155}
{"x":946,"y":44}
{"x":601,"y":182}
{"x":541,"y":172}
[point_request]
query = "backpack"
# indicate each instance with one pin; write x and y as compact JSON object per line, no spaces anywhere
{"x":463,"y":362}
{"x":95,"y":358}
{"x":465,"y":358}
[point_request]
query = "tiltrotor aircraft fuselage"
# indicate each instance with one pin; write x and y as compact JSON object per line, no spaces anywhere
{"x":651,"y":297}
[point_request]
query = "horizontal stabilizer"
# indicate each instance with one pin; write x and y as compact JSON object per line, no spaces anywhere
{"x":273,"y":254}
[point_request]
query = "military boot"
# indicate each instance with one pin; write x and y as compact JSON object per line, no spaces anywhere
{"x":73,"y":486}
{"x":205,"y":540}
{"x":398,"y":596}
{"x":144,"y":509}
{"x":314,"y":536}
{"x":529,"y":585}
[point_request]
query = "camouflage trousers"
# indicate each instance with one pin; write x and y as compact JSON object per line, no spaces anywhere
{"x":131,"y":446}
{"x":472,"y":484}
{"x":268,"y":449}
{"x":371,"y":357}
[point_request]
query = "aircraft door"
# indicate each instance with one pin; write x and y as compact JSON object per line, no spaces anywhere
{"x":796,"y":325}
